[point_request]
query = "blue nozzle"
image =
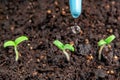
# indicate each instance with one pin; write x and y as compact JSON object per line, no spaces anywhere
{"x":75,"y":7}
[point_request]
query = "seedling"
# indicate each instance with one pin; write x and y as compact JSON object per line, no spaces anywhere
{"x":102,"y":43}
{"x":63,"y":47}
{"x":15,"y":44}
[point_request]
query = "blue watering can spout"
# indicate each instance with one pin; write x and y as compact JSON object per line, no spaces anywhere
{"x":75,"y":7}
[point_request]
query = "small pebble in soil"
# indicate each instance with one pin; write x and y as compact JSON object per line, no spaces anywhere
{"x":86,"y":41}
{"x":110,"y":72}
{"x":30,"y":21}
{"x":110,"y":30}
{"x":76,"y":29}
{"x":63,"y":13}
{"x":100,"y":67}
{"x":28,"y":44}
{"x":35,"y":73}
{"x":113,"y":2}
{"x":107,"y":6}
{"x":7,"y":17}
{"x":42,"y":57}
{"x":56,"y":3}
{"x":66,"y":7}
{"x":38,"y":60}
{"x":31,"y":47}
{"x":12,"y":28}
{"x":49,"y":11}
{"x":53,"y":16}
{"x":109,"y":46}
{"x":90,"y":57}
{"x":115,"y":58}
{"x":63,"y":9}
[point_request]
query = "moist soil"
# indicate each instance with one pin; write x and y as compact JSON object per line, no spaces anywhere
{"x":44,"y":21}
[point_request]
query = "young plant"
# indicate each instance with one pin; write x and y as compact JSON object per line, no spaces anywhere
{"x":15,"y":44}
{"x":63,"y":47}
{"x":102,"y":43}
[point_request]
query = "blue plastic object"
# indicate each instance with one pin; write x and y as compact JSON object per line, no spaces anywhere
{"x":75,"y":7}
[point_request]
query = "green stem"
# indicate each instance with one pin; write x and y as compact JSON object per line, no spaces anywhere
{"x":100,"y":51}
{"x":67,"y":55}
{"x":16,"y":52}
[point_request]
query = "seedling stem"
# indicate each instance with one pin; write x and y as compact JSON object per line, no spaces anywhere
{"x":100,"y":51}
{"x":67,"y":55}
{"x":16,"y":52}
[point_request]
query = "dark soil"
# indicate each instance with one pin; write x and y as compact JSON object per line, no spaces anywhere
{"x":44,"y":21}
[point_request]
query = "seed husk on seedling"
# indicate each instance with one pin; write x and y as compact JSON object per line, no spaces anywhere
{"x":15,"y":44}
{"x":102,"y":43}
{"x":63,"y":47}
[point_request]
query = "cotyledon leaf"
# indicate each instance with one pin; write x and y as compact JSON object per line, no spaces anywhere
{"x":59,"y":44}
{"x":69,"y":47}
{"x":9,"y":43}
{"x":20,"y":39}
{"x":101,"y":42}
{"x":110,"y":39}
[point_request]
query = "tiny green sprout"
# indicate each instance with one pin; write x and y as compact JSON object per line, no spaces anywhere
{"x":15,"y":44}
{"x":102,"y":43}
{"x":63,"y":47}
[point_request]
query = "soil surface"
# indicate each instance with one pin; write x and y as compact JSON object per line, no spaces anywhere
{"x":44,"y":21}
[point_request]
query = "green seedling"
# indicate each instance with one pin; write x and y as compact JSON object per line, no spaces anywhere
{"x":102,"y":43}
{"x":63,"y":47}
{"x":15,"y":44}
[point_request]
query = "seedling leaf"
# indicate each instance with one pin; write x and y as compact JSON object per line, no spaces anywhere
{"x":59,"y":44}
{"x":101,"y":42}
{"x":9,"y":43}
{"x":109,"y":39}
{"x":69,"y":47}
{"x":20,"y":39}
